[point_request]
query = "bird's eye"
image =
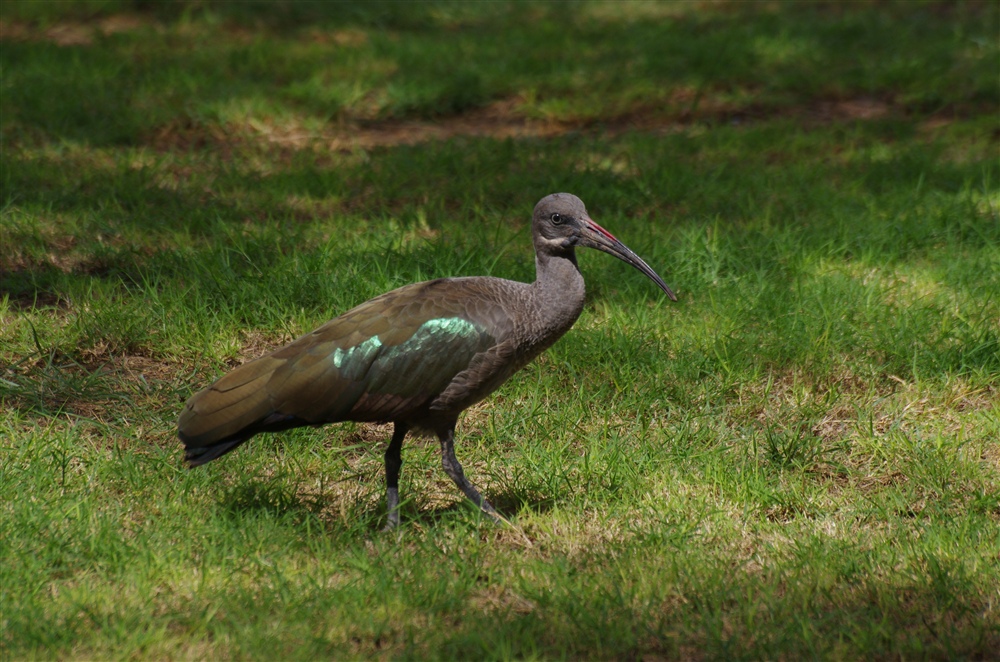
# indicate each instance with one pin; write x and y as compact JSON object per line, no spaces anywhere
{"x":556,"y":219}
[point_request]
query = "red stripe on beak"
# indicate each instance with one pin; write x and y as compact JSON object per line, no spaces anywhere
{"x":597,"y":228}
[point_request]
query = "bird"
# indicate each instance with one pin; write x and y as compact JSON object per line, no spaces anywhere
{"x":417,"y":356}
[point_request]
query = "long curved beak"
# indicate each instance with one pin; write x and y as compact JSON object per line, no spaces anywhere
{"x":594,"y":236}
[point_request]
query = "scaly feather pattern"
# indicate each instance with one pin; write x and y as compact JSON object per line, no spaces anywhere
{"x":358,"y":366}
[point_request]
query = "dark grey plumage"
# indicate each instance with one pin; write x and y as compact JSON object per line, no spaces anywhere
{"x":417,"y":356}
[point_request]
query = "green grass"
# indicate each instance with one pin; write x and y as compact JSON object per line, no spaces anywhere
{"x":800,"y":459}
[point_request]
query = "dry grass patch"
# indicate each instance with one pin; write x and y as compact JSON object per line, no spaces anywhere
{"x":686,"y":109}
{"x":76,"y":33}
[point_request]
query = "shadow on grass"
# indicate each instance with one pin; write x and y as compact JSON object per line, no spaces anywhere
{"x":272,"y":499}
{"x":508,"y":504}
{"x":361,"y":60}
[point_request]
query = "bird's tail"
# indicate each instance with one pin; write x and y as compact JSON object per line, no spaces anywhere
{"x":230,"y":411}
{"x":199,"y":455}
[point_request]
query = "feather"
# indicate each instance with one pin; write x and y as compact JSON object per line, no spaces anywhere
{"x":384,"y":359}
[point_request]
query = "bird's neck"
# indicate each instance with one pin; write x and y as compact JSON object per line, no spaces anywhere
{"x":558,"y":290}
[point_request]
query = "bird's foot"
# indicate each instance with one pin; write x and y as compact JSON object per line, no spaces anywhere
{"x":488,"y":510}
{"x":392,"y":508}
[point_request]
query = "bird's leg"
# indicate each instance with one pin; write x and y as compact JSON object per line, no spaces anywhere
{"x":393,"y":461}
{"x":454,"y":470}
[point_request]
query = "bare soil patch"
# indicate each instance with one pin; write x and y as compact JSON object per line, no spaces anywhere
{"x":74,"y":33}
{"x":508,"y":119}
{"x":500,"y":120}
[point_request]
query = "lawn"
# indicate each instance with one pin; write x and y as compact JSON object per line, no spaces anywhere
{"x":799,"y":459}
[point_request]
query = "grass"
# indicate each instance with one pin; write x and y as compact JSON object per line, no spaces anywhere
{"x":800,"y":459}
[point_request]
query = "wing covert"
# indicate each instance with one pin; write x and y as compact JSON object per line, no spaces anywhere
{"x":333,"y":374}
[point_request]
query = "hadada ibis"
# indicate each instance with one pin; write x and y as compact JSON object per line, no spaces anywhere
{"x":416,"y":356}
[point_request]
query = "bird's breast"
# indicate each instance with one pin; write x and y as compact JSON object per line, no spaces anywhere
{"x":524,"y":325}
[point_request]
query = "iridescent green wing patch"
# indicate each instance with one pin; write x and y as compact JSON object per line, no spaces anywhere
{"x":326,"y":381}
{"x":428,"y":360}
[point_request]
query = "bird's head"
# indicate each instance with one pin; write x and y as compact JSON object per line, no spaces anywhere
{"x":561,"y":223}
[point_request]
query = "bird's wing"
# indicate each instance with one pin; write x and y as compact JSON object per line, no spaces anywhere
{"x":387,"y":357}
